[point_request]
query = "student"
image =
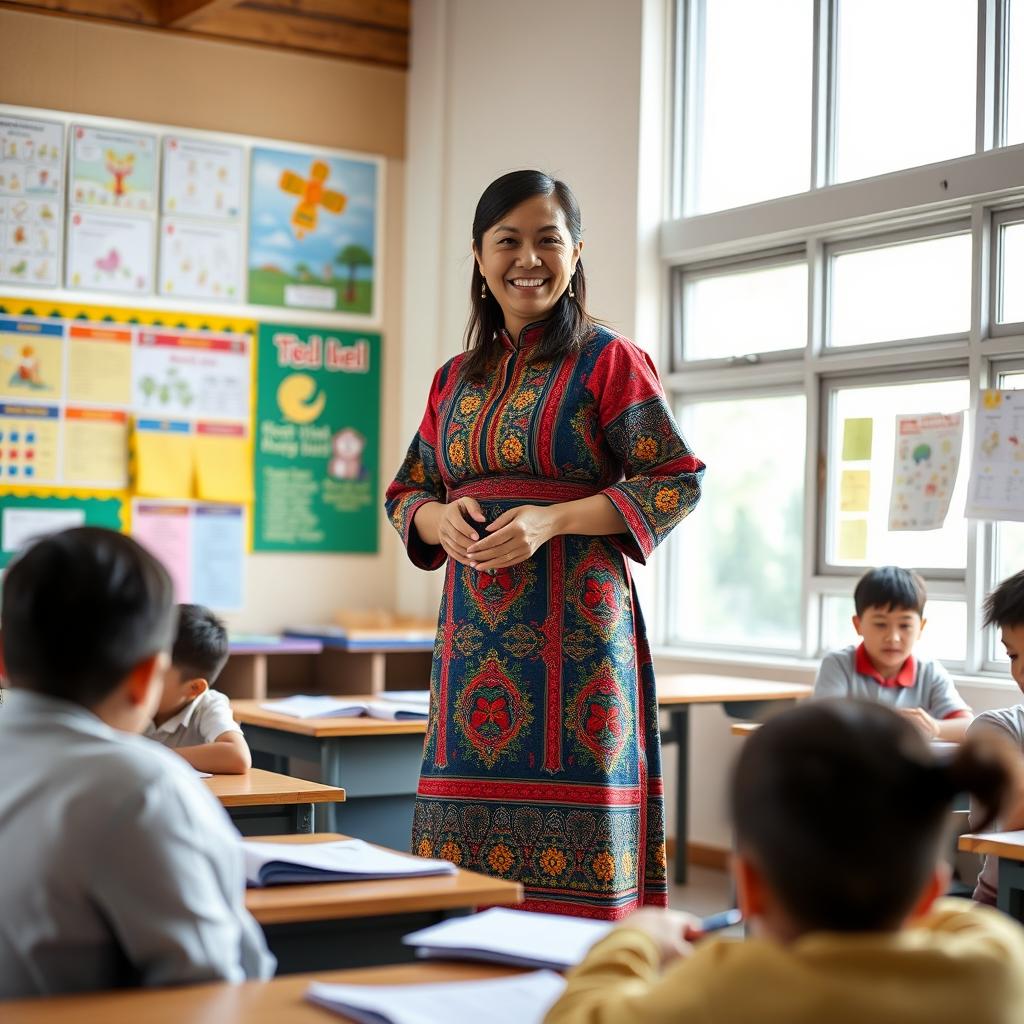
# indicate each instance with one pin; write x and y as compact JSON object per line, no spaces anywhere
{"x":845,"y":920}
{"x":889,"y":602}
{"x":1004,"y":608}
{"x":192,"y":719}
{"x":117,"y":867}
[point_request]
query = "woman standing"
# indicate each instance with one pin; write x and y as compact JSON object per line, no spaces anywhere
{"x":547,"y":453}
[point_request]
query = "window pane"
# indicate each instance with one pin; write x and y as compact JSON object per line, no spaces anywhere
{"x":752,"y":136}
{"x":944,"y":638}
{"x":1015,"y":73}
{"x":1011,"y":274}
{"x":1009,"y":537}
{"x":911,"y":290}
{"x":738,"y":558}
{"x":763,"y":310}
{"x":905,"y":84}
{"x":863,"y":538}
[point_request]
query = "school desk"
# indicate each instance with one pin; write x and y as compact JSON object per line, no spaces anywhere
{"x":361,"y":924}
{"x":278,"y":1001}
{"x":377,"y":763}
{"x":254,"y":660}
{"x":1009,"y":848}
{"x":263,"y":803}
{"x":740,"y":698}
{"x":744,"y":728}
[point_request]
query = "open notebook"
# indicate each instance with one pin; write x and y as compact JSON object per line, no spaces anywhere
{"x":523,"y":999}
{"x":343,"y":860}
{"x":303,"y":706}
{"x":516,"y":937}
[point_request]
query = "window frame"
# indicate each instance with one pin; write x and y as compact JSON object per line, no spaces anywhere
{"x":1001,"y":218}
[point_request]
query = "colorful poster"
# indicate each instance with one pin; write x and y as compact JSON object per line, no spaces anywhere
{"x":112,"y":169}
{"x":924,"y":470}
{"x":202,"y":178}
{"x":201,"y":546}
{"x":96,"y":448}
{"x":316,"y":441}
{"x":314,"y":232}
{"x":200,"y":260}
{"x":31,"y":200}
{"x":996,"y":488}
{"x":29,"y":443}
{"x":192,"y":374}
{"x":100,"y":364}
{"x":25,"y":517}
{"x":31,"y":360}
{"x":110,"y":254}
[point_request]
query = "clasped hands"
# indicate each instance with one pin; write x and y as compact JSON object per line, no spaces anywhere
{"x":512,"y":538}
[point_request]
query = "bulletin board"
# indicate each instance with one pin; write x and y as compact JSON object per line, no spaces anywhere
{"x":101,"y":407}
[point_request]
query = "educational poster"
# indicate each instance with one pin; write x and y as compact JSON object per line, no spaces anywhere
{"x":31,"y":360}
{"x":110,"y":253}
{"x":100,"y":364}
{"x":202,"y":178}
{"x":29,"y":444}
{"x":31,"y":200}
{"x":924,"y":470}
{"x":313,"y":232}
{"x":96,"y":448}
{"x":26,"y":517}
{"x":996,"y":488}
{"x":201,"y":546}
{"x":191,"y":374}
{"x":316,"y":442}
{"x":200,"y":260}
{"x":112,"y":170}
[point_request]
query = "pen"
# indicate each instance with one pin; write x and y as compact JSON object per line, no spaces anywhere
{"x":724,"y":919}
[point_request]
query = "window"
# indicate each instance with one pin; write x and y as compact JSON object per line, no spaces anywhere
{"x":904,"y":84}
{"x":736,"y":565}
{"x":751,"y":101}
{"x":734,"y":313}
{"x":887,"y":280}
{"x":857,"y":533}
{"x":915,"y":289}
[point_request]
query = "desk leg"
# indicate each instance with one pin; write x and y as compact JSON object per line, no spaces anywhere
{"x":326,"y":814}
{"x":679,"y":734}
{"x":304,"y":814}
{"x":1010,"y":898}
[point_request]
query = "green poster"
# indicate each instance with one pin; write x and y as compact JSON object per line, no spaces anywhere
{"x":26,"y":517}
{"x":317,"y":439}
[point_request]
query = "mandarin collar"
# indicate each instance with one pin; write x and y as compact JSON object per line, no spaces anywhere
{"x":528,"y":336}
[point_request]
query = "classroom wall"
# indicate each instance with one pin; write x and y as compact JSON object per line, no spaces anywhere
{"x":94,"y":68}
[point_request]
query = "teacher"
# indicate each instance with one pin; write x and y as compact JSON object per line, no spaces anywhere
{"x":547,"y":455}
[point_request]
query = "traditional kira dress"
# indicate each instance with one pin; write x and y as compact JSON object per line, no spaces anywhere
{"x":542,"y":760}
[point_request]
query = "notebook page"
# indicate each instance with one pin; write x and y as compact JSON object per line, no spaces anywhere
{"x":318,"y":706}
{"x":523,"y":999}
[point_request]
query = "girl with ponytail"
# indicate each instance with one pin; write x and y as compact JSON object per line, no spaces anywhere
{"x":840,"y":811}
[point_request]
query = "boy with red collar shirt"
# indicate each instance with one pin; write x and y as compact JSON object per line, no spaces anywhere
{"x":889,"y":602}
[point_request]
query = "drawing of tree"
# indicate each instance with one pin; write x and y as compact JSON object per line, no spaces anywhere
{"x":353,"y":257}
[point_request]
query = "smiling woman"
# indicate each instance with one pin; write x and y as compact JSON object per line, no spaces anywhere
{"x":546,"y":456}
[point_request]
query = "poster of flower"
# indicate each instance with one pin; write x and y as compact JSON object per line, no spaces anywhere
{"x":314,"y":231}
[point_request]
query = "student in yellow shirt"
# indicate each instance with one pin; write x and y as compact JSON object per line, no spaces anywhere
{"x":846,"y":921}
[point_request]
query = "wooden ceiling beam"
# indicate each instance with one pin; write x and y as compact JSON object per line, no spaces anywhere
{"x":309,"y":34}
{"x":186,"y":13}
{"x":392,"y":14}
{"x":138,"y":12}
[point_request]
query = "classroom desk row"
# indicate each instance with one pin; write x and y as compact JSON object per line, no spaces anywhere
{"x":1008,"y":847}
{"x":252,"y":1002}
{"x":378,"y":762}
{"x":263,"y":803}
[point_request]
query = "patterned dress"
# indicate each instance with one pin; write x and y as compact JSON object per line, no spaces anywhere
{"x":542,"y":759}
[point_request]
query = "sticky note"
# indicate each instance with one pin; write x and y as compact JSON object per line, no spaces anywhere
{"x":853,"y":540}
{"x":854,"y":490}
{"x":164,"y":466}
{"x":857,"y":435}
{"x":223,"y":468}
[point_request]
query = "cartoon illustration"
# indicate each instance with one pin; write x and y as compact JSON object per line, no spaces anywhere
{"x":174,"y":387}
{"x":922,"y":453}
{"x":298,"y":400}
{"x":347,"y":462}
{"x":991,"y":443}
{"x":353,"y":257}
{"x":109,"y":263}
{"x":26,"y":373}
{"x":314,"y":195}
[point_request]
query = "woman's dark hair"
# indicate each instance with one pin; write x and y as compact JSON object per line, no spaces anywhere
{"x":80,"y":610}
{"x":842,"y":806}
{"x":569,"y":325}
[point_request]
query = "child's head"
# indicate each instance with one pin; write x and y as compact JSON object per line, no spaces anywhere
{"x":87,"y":616}
{"x":889,"y":603}
{"x":197,"y":657}
{"x":1004,"y":608}
{"x":840,"y":808}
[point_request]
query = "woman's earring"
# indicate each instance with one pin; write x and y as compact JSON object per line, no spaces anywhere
{"x":572,"y":294}
{"x":483,"y":289}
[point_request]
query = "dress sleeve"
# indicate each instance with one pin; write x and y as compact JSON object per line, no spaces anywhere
{"x":662,"y":476}
{"x":418,"y":481}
